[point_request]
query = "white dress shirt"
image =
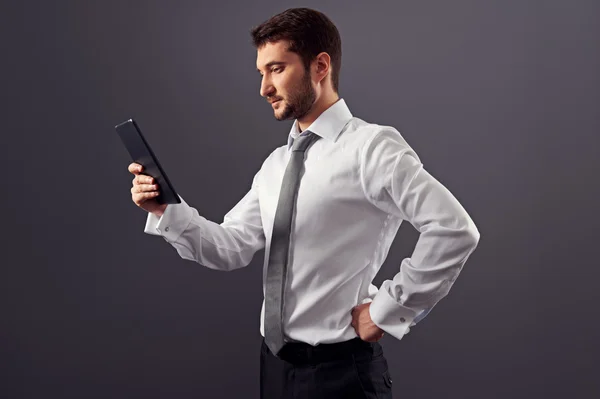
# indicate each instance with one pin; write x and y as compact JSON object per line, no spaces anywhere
{"x":360,"y":181}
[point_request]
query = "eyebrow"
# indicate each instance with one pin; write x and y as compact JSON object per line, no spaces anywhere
{"x":270,"y":64}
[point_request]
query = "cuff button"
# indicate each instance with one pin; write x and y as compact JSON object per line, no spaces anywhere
{"x":402,"y":319}
{"x":167,"y":228}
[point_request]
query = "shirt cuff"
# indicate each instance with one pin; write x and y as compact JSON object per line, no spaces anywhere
{"x":151,"y":222}
{"x":389,"y":315}
{"x":372,"y":292}
{"x":172,"y":223}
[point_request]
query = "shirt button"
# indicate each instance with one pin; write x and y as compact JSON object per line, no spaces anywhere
{"x":167,"y":229}
{"x":402,"y":319}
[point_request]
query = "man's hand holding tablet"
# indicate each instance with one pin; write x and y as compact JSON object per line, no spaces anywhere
{"x":152,"y":190}
{"x":145,"y":190}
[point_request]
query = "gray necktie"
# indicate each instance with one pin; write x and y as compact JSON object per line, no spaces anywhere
{"x":280,"y":242}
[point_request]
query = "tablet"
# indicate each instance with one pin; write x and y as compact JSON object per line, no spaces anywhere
{"x":141,"y":153}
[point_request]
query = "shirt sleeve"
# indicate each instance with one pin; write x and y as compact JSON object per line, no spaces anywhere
{"x":226,"y":246}
{"x":395,"y":181}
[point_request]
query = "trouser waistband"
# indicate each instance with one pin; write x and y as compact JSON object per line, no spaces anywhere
{"x":301,"y":352}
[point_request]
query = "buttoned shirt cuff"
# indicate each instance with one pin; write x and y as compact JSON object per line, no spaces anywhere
{"x":389,"y":315}
{"x":172,"y":223}
{"x":151,"y":222}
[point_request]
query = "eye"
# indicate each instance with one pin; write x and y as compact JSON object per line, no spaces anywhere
{"x":277,"y":69}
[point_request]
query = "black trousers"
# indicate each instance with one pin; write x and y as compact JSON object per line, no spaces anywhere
{"x":353,"y":369}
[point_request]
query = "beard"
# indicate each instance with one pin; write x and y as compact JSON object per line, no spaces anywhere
{"x":300,"y":100}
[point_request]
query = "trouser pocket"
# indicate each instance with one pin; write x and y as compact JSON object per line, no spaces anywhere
{"x":374,"y":377}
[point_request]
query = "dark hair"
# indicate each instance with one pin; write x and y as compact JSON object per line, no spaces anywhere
{"x":309,"y":32}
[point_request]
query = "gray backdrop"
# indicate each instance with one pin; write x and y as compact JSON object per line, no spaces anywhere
{"x":499,"y":99}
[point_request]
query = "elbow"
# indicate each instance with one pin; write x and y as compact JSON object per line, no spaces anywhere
{"x":224,"y":266}
{"x":232,"y":262}
{"x":471,"y":234}
{"x":235,"y":265}
{"x":226,"y":262}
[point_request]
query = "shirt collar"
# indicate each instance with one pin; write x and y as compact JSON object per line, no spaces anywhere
{"x":327,"y":125}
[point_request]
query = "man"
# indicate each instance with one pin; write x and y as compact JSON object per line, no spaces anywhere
{"x":326,"y":207}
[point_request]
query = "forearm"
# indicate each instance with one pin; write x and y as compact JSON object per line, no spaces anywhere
{"x":226,"y":246}
{"x":426,"y":277}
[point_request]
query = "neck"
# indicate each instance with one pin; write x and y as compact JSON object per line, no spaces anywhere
{"x":318,"y":108}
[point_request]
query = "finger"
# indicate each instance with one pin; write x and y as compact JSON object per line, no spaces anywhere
{"x":135,"y":168}
{"x":143,"y":188}
{"x":143,"y":179}
{"x":140,"y":198}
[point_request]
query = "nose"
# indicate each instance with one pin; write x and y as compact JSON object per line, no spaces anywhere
{"x":266,"y":88}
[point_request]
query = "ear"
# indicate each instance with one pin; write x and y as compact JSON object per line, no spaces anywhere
{"x":321,"y":66}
